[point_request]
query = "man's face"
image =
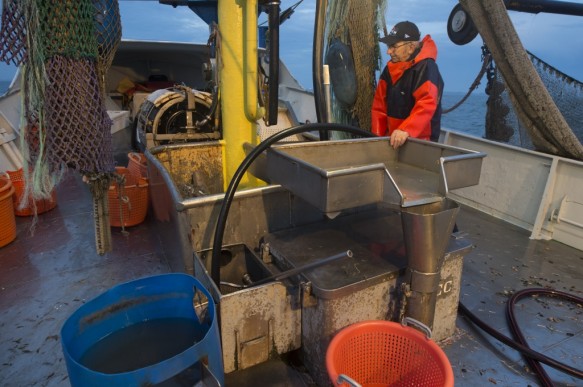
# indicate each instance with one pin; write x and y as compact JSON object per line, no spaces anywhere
{"x":401,"y":51}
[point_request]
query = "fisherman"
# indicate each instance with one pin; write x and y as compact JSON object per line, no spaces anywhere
{"x":407,"y":101}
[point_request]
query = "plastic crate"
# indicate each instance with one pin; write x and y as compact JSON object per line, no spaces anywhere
{"x":138,"y":164}
{"x":7,"y":219}
{"x":128,"y":203}
{"x":41,"y":205}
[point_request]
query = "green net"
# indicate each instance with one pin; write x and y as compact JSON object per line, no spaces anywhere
{"x":65,"y":48}
{"x":66,"y":28}
{"x":64,"y":105}
{"x":356,"y":23}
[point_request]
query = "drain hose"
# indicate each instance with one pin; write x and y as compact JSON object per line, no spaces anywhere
{"x":533,"y":357}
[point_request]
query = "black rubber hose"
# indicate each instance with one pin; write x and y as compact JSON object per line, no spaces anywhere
{"x":520,"y":347}
{"x":273,"y":102}
{"x":234,"y":183}
{"x":535,"y":365}
{"x":317,"y":68}
{"x":545,"y":6}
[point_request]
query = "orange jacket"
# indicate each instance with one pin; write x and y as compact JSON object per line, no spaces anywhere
{"x":408,"y":96}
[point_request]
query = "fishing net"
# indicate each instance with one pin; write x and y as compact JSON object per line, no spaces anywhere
{"x":534,"y":98}
{"x":76,"y":122}
{"x":66,"y":48}
{"x":12,"y":33}
{"x":108,"y":33}
{"x":503,"y":122}
{"x":355,"y":23}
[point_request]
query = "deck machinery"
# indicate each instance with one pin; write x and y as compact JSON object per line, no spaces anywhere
{"x":345,"y":231}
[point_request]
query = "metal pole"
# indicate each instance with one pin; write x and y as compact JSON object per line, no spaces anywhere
{"x":300,"y":269}
{"x":547,"y":6}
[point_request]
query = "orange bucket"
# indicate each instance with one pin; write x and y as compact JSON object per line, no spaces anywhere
{"x":138,"y":164}
{"x":7,"y":219}
{"x":133,"y":207}
{"x":385,"y":353}
{"x":41,"y":205}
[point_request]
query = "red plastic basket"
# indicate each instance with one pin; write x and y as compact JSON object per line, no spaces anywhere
{"x":138,"y":164}
{"x":7,"y":220}
{"x":41,"y":205}
{"x":133,"y":207}
{"x":385,"y":353}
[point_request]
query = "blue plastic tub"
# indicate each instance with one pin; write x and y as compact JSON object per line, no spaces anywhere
{"x":164,"y":303}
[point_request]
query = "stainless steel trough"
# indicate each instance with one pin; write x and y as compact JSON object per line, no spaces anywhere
{"x":336,"y":175}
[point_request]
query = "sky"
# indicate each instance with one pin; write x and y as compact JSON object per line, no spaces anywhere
{"x":556,"y":39}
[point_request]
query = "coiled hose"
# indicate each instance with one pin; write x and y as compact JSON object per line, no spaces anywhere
{"x":533,"y":357}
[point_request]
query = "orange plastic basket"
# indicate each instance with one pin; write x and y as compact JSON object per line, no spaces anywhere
{"x":385,"y":353}
{"x":7,"y":219}
{"x":41,"y":205}
{"x":133,"y":207}
{"x":138,"y":164}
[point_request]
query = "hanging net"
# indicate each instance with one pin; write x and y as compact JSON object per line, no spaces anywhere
{"x":535,"y":90}
{"x":12,"y":33}
{"x":355,"y":23}
{"x":503,"y":121}
{"x":65,"y":48}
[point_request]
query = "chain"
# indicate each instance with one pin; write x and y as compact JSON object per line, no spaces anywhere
{"x":99,"y":186}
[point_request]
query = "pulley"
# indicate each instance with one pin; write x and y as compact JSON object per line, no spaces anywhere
{"x":460,"y":27}
{"x":176,"y":114}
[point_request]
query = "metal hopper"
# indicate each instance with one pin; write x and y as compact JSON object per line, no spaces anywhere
{"x":337,"y":175}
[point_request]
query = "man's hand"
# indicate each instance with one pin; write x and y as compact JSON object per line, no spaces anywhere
{"x":398,"y":138}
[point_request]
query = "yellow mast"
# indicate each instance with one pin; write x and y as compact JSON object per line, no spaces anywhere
{"x":238,"y":83}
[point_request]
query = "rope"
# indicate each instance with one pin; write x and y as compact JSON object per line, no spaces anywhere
{"x":486,"y":58}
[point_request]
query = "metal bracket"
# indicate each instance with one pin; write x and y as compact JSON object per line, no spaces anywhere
{"x":264,"y":253}
{"x":558,"y":214}
{"x":308,"y":300}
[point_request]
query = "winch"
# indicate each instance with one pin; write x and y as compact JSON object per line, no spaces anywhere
{"x":176,"y":115}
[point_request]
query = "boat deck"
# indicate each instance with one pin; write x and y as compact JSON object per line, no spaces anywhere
{"x":46,"y":276}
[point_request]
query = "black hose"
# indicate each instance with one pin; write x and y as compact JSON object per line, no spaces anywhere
{"x":233,"y":184}
{"x":546,"y":6}
{"x":212,"y":109}
{"x":525,"y":350}
{"x":535,"y":365}
{"x":273,"y":96}
{"x":319,"y":27}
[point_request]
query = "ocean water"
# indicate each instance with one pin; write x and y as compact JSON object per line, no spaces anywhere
{"x":4,"y":86}
{"x":469,"y":117}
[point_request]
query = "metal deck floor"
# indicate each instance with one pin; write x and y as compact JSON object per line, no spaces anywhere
{"x":46,"y":276}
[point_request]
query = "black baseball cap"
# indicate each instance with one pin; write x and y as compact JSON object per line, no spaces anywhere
{"x":404,"y":31}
